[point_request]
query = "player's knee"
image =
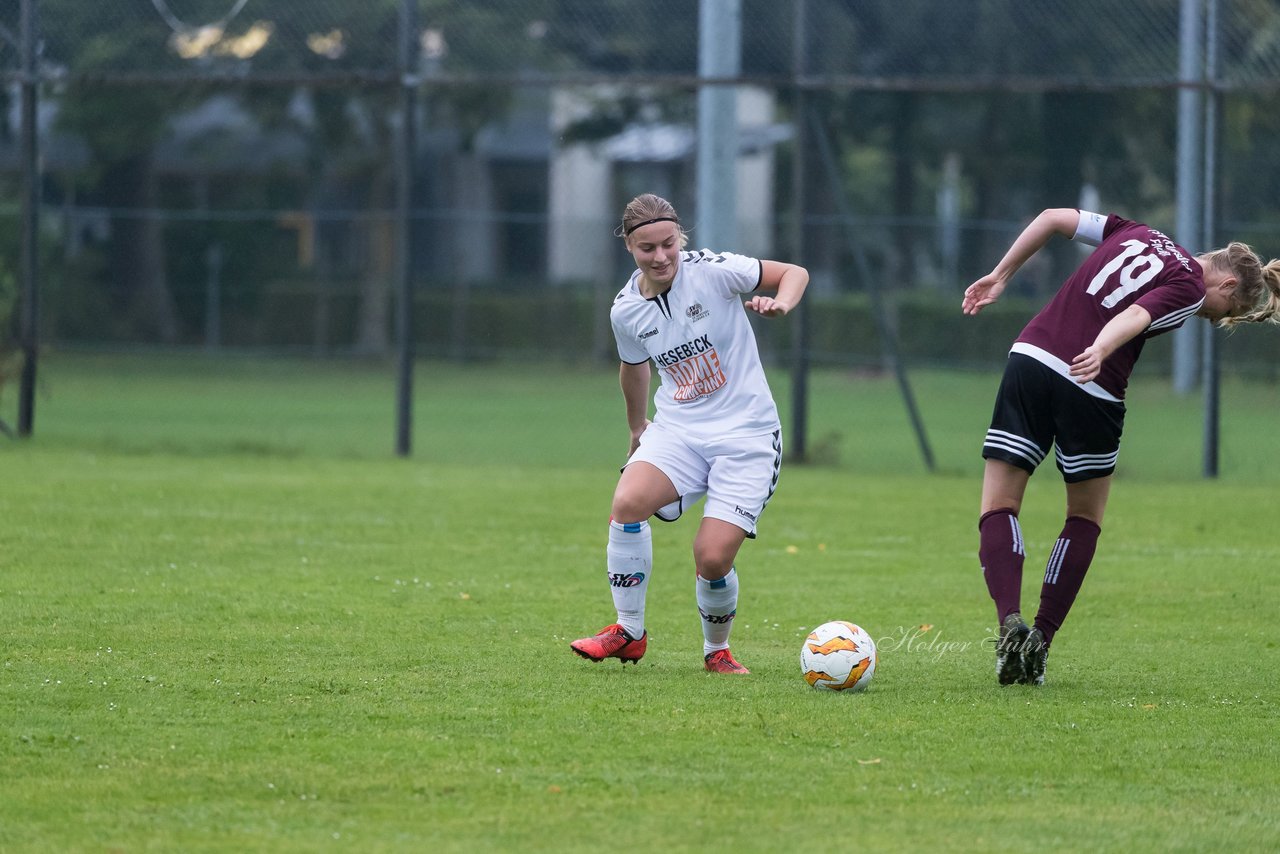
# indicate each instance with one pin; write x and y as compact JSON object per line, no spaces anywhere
{"x":630,"y":506}
{"x":713,"y":562}
{"x":624,"y":513}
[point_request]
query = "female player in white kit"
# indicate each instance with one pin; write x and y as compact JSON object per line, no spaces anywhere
{"x":715,"y":431}
{"x":1063,"y":389}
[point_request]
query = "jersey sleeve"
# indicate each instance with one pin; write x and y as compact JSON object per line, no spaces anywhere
{"x":733,"y":274}
{"x":1171,"y":304}
{"x":630,"y":349}
{"x":629,"y":343}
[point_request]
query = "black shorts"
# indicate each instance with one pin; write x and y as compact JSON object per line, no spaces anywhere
{"x":1036,"y":408}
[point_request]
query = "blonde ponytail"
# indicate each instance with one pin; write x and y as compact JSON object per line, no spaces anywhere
{"x":1258,"y":285}
{"x":1267,"y":308}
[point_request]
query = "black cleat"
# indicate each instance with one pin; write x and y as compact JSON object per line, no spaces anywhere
{"x":1035,"y":652}
{"x":1009,"y":659}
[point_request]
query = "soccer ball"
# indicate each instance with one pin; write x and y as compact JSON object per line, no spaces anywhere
{"x":838,"y":656}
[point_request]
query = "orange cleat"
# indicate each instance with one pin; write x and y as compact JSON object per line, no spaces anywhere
{"x":721,"y":661}
{"x":611,"y":642}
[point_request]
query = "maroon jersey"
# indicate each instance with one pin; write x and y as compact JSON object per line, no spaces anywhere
{"x":1133,"y":264}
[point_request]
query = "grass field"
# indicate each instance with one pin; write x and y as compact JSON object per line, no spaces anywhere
{"x":231,"y":619}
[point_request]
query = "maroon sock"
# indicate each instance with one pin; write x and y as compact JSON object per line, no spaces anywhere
{"x":1001,"y":553}
{"x":1065,"y":572}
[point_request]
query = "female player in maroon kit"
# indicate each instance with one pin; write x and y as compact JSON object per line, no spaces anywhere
{"x":1063,"y":388}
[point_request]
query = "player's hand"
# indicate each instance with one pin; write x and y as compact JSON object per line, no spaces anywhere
{"x":1086,"y":367}
{"x":982,"y":293}
{"x":635,"y":438}
{"x":767,"y":306}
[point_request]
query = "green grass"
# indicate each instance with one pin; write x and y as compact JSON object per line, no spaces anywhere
{"x":231,"y":619}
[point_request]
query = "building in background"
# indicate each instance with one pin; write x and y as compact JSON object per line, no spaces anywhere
{"x":590,"y":182}
{"x":530,"y":202}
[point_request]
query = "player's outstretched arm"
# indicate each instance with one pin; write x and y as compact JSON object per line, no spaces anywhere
{"x":1051,"y":221}
{"x":788,"y":280}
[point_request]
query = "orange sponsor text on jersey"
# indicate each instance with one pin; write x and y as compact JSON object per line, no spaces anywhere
{"x":696,"y":376}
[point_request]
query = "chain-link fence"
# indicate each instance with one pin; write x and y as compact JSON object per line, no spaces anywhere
{"x":227,"y":173}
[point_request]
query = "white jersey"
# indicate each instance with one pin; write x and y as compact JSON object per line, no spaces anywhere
{"x":698,"y":335}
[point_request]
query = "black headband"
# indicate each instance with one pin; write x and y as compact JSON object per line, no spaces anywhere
{"x":650,"y":222}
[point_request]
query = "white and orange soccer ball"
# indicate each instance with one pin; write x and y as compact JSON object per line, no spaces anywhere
{"x":838,"y":656}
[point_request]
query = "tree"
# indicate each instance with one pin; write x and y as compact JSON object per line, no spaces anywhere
{"x":121,"y":129}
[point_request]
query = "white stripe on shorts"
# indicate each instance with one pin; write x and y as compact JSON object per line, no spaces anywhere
{"x":1025,"y":448}
{"x":1086,"y":462}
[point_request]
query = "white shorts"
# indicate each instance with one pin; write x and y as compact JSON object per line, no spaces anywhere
{"x":738,"y":475}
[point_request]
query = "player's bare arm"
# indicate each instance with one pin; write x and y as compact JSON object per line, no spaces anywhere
{"x":787,"y":280}
{"x":986,"y":290}
{"x":1122,"y":328}
{"x":634,"y":380}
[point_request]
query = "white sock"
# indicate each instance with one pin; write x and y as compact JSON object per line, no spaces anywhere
{"x":718,"y":605}
{"x":629,"y":562}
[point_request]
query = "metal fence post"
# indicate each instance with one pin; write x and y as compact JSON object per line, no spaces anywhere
{"x":1190,"y":177}
{"x":719,"y":57}
{"x":798,"y":438}
{"x":30,"y":317}
{"x":1211,"y":368}
{"x":405,"y":173}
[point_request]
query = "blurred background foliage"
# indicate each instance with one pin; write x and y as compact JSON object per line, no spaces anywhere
{"x":221,"y":173}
